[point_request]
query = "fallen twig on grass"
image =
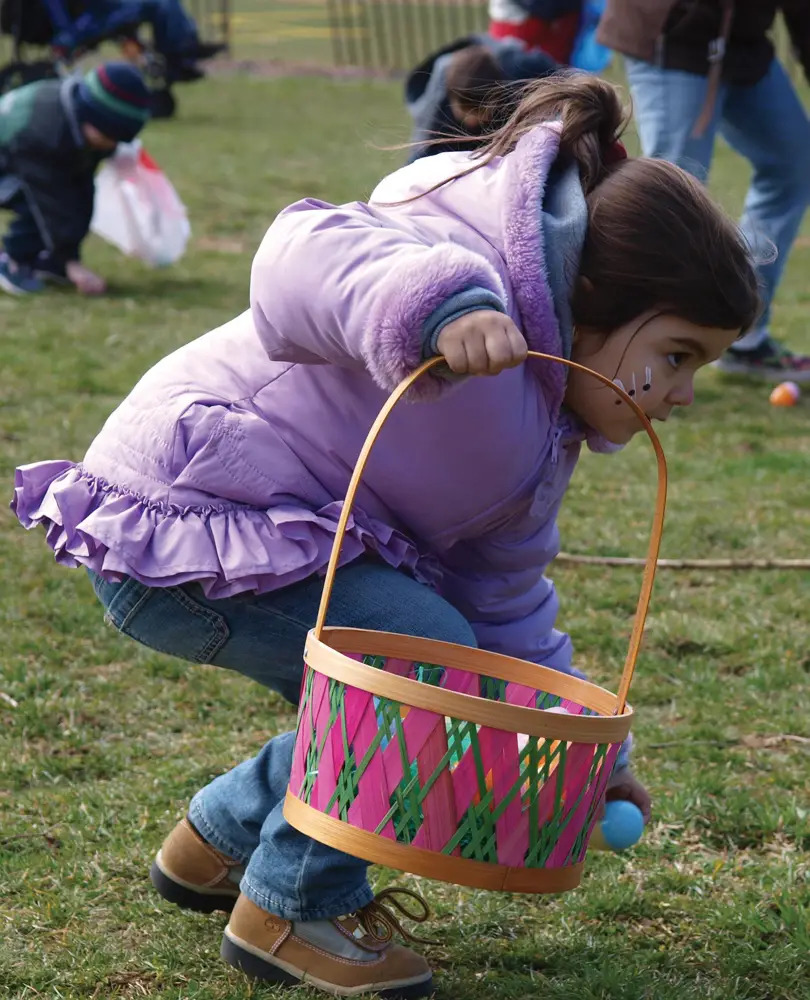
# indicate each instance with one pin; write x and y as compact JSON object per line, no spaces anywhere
{"x":753,"y":741}
{"x":46,"y":833}
{"x":567,"y":558}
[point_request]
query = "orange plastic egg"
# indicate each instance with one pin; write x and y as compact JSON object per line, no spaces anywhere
{"x":785,"y":394}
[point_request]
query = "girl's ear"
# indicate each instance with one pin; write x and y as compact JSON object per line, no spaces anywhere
{"x":584,"y":286}
{"x":588,"y":341}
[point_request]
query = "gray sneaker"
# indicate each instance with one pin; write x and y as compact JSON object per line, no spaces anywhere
{"x":770,"y":362}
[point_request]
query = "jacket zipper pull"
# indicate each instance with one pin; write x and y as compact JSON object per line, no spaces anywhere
{"x":555,"y":445}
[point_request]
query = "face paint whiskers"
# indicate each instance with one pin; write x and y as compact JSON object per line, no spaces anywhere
{"x":646,"y":385}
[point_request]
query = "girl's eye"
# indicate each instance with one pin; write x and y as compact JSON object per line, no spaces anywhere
{"x":676,"y":360}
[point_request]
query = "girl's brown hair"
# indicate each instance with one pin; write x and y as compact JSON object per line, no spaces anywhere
{"x":655,"y":238}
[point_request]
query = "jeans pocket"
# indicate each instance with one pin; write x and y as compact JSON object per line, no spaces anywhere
{"x":168,"y":620}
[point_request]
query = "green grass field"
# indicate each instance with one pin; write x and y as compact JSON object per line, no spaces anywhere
{"x":379,"y":33}
{"x":102,"y":743}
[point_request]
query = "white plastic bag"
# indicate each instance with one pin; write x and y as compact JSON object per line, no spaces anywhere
{"x":137,"y":208}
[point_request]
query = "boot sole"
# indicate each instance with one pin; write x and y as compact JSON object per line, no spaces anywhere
{"x":259,"y":968}
{"x":189,"y":899}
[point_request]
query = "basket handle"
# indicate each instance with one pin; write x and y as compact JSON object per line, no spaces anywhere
{"x":655,"y":534}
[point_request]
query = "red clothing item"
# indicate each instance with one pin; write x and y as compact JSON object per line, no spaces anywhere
{"x":555,"y":37}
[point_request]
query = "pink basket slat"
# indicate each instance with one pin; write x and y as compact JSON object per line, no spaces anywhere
{"x":369,"y":808}
{"x":437,"y":806}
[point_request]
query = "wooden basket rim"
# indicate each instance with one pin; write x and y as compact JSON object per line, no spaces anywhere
{"x":324,"y":656}
{"x":429,"y":864}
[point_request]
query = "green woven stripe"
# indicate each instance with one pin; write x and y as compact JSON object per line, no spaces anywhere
{"x":598,"y":762}
{"x":345,"y":788}
{"x":459,"y":732}
{"x":429,"y":673}
{"x":543,"y":838}
{"x":493,"y":688}
{"x":311,"y":759}
{"x":475,"y":836}
{"x":387,"y":713}
{"x":538,"y":858}
{"x":315,"y":751}
{"x":348,"y":777}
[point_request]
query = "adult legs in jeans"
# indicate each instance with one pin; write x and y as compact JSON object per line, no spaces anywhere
{"x":240,"y":812}
{"x":764,"y":122}
{"x":173,"y":29}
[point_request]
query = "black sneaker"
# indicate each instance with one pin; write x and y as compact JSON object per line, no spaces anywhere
{"x":50,"y":274}
{"x":18,"y":279}
{"x":204,"y":50}
{"x":769,"y":362}
{"x":183,"y":71}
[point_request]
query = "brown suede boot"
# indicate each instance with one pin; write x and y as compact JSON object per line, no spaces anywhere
{"x":190,"y":872}
{"x":346,"y":956}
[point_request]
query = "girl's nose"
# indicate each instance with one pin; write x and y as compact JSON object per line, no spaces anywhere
{"x":683,"y":394}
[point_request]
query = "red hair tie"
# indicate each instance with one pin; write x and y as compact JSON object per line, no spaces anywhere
{"x":614,"y":153}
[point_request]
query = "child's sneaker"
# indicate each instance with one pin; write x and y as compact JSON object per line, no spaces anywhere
{"x":345,"y":957}
{"x":17,"y":279}
{"x":50,"y":274}
{"x":190,"y":872}
{"x":770,"y":362}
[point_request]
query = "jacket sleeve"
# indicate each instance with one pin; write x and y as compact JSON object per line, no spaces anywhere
{"x":60,"y":200}
{"x":347,"y":286}
{"x":797,"y":19}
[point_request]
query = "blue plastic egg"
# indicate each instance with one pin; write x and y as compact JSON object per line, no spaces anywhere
{"x":620,"y":828}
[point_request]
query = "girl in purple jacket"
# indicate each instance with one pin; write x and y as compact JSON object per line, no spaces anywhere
{"x":205,"y":509}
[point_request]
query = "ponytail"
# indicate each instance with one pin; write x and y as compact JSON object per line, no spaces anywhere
{"x":591,"y":115}
{"x":592,"y":120}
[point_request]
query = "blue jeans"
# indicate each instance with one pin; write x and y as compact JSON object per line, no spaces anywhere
{"x":765,"y":122}
{"x":23,"y":241}
{"x":173,"y":30}
{"x":240,"y":812}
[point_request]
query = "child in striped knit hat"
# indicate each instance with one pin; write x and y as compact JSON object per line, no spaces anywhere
{"x":53,"y":135}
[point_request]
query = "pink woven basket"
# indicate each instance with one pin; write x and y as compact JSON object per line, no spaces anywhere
{"x":456,"y":763}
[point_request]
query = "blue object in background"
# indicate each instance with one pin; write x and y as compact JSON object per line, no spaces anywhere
{"x":589,"y":54}
{"x":621,"y":827}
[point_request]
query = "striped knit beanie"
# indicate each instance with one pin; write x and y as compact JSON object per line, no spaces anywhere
{"x":114,"y":98}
